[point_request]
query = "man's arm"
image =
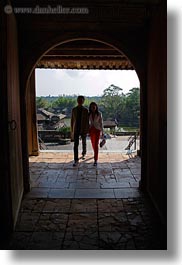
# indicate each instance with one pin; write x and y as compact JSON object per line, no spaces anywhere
{"x":71,"y":123}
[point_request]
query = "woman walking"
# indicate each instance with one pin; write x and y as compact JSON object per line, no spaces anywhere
{"x":95,"y":128}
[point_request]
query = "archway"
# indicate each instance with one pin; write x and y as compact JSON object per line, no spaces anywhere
{"x":145,"y":29}
{"x":32,"y":81}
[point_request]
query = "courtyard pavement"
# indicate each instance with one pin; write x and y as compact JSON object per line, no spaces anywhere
{"x":53,"y":176}
{"x":86,"y":208}
{"x":113,"y":144}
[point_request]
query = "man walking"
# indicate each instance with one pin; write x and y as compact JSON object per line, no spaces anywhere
{"x":79,"y":127}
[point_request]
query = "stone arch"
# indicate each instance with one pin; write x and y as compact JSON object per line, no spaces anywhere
{"x":31,"y":65}
{"x":45,"y":46}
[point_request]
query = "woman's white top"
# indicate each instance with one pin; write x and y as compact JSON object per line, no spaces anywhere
{"x":97,"y":122}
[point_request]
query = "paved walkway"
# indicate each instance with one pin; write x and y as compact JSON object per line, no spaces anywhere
{"x":53,"y":176}
{"x":113,"y":144}
{"x":86,"y":208}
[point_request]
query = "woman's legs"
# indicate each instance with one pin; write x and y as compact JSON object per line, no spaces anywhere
{"x":95,"y":136}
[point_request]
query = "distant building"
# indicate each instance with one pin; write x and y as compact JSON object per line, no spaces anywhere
{"x":67,"y":111}
{"x":108,"y":124}
{"x":49,"y":121}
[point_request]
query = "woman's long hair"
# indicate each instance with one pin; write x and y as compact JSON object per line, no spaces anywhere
{"x":97,"y":109}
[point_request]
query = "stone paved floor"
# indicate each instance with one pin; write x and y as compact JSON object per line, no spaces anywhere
{"x":53,"y":176}
{"x":86,"y":224}
{"x":86,"y":208}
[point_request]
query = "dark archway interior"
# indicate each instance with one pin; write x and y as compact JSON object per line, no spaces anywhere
{"x":85,"y":54}
{"x":135,"y":28}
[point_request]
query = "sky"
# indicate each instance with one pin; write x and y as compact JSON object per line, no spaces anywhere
{"x":56,"y":82}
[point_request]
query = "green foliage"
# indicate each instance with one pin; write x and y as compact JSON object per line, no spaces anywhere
{"x":68,"y":102}
{"x":112,"y":101}
{"x":64,"y":102}
{"x":64,"y":129}
{"x":42,"y":103}
{"x":125,"y":108}
{"x":114,"y":104}
{"x":132,"y":107}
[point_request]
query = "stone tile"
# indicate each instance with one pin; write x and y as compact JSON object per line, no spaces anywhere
{"x":84,"y":206}
{"x":110,"y":222}
{"x":135,"y":219}
{"x":46,"y":241}
{"x":39,"y":166}
{"x":20,"y":240}
{"x":110,"y":205}
{"x":115,"y":240}
{"x":115,"y":165}
{"x":122,"y":172}
{"x":81,"y":173}
{"x":137,"y":176}
{"x":52,"y":222}
{"x":72,"y":172}
{"x":84,"y":185}
{"x":55,"y":185}
{"x":61,"y":193}
{"x":88,"y":241}
{"x":28,"y":205}
{"x":57,"y":166}
{"x":106,"y":178}
{"x":124,"y":165}
{"x":34,"y":176}
{"x":104,"y":165}
{"x":127,"y":193}
{"x":27,"y":222}
{"x":71,"y":244}
{"x":115,"y":185}
{"x":49,"y":175}
{"x":77,"y":217}
{"x":38,"y":193}
{"x":92,"y":171}
{"x":136,"y":171}
{"x":87,"y":224}
{"x":103,"y":180}
{"x":33,"y":158}
{"x":38,"y":205}
{"x":35,"y":171}
{"x":125,"y":178}
{"x":131,"y":204}
{"x":104,"y":171}
{"x":86,"y":179}
{"x":60,"y":160}
{"x":70,"y":179}
{"x":57,"y":205}
{"x":82,"y":223}
{"x":62,"y":174}
{"x":94,"y":193}
{"x":134,"y":184}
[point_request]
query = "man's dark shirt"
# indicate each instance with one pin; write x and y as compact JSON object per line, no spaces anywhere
{"x":78,"y":120}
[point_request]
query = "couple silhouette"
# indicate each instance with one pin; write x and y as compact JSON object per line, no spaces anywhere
{"x":86,"y":121}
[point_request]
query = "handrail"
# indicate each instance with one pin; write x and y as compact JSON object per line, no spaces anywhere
{"x":42,"y":144}
{"x":132,"y":140}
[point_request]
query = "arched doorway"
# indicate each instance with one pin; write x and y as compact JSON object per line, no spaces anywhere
{"x":138,"y":37}
{"x":107,"y":57}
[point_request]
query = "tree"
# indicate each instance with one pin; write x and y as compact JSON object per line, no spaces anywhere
{"x":132,"y":107}
{"x":64,"y":102}
{"x":111,"y":102}
{"x":42,"y":103}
